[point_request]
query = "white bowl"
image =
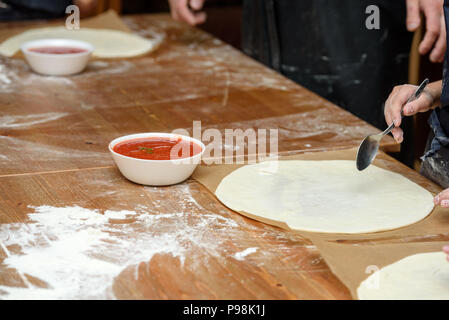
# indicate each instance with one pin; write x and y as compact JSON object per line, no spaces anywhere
{"x":57,"y":64}
{"x":156,"y":172}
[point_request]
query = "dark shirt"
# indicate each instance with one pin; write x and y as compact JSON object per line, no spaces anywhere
{"x":443,"y":114}
{"x":435,"y":165}
{"x":33,"y":9}
{"x":325,"y":46}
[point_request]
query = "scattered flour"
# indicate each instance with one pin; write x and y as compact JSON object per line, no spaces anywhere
{"x":77,"y":252}
{"x":15,"y":75}
{"x":7,"y":78}
{"x":241,"y":255}
{"x":98,"y":64}
{"x":4,"y":77}
{"x":156,"y":34}
{"x":47,"y":152}
{"x":10,"y":121}
{"x":101,"y":68}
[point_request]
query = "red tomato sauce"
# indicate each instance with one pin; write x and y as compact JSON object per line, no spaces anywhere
{"x":57,"y":50}
{"x":157,"y":148}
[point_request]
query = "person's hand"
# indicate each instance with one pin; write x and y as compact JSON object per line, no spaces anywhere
{"x":397,"y":101}
{"x":435,"y":34}
{"x":87,"y":7}
{"x":446,"y":251}
{"x":442,"y":199}
{"x":181,"y":10}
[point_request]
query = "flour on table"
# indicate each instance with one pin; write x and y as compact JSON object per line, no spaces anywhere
{"x":77,"y":252}
{"x":241,"y":255}
{"x":7,"y":78}
{"x":49,"y":152}
{"x":4,"y":77}
{"x":19,"y":121}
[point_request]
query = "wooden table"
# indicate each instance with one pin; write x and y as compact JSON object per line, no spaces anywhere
{"x":175,"y":242}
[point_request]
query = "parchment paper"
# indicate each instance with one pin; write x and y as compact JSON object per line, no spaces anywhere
{"x":348,"y":255}
{"x":437,"y":221}
{"x":353,"y":263}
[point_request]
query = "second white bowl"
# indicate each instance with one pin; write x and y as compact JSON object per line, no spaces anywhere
{"x":57,"y":64}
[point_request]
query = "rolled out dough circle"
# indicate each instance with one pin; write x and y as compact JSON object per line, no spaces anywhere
{"x":107,"y":43}
{"x":325,"y":196}
{"x":423,"y":276}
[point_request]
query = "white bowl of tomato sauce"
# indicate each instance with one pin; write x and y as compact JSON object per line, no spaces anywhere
{"x":57,"y":57}
{"x":156,"y":159}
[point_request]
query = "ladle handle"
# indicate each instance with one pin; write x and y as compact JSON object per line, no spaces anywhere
{"x":417,"y":92}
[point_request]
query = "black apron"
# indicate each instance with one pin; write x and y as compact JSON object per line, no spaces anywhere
{"x":12,"y":10}
{"x":324,"y":45}
{"x":435,"y":165}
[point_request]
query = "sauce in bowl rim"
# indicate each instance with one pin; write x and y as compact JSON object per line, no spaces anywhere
{"x":58,"y":42}
{"x":158,"y":148}
{"x":118,"y":140}
{"x":57,"y":50}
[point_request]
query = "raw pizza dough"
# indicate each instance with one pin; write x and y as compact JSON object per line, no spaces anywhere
{"x":107,"y":43}
{"x":420,"y":276}
{"x":325,"y":196}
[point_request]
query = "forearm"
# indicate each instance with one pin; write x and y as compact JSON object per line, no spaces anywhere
{"x":435,"y":89}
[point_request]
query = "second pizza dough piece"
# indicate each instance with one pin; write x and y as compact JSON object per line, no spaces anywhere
{"x":325,"y":196}
{"x":107,"y":43}
{"x":416,"y":277}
